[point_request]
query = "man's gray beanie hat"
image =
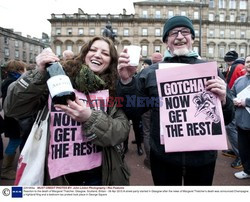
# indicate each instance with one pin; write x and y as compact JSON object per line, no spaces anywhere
{"x":177,"y":21}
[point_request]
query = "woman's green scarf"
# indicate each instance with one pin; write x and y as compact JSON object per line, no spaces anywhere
{"x":87,"y":81}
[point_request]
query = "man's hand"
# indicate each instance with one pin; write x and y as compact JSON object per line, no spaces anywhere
{"x":219,"y":88}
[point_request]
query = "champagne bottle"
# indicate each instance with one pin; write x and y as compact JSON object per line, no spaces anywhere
{"x":59,"y":84}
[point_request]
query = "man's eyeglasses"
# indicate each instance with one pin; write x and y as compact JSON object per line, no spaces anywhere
{"x":184,"y":32}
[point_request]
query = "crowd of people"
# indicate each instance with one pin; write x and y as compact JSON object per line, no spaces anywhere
{"x":98,"y":69}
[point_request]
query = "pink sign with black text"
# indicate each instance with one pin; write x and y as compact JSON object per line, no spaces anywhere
{"x":69,"y":149}
{"x":191,"y":117}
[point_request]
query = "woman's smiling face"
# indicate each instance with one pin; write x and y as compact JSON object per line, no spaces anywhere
{"x":98,"y":57}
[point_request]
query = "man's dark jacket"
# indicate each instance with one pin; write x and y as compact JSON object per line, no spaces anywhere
{"x":144,"y":85}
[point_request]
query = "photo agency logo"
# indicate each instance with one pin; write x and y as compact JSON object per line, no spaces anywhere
{"x":6,"y":192}
{"x":17,"y":192}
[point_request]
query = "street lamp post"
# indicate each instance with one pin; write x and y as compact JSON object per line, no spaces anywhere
{"x":200,"y":27}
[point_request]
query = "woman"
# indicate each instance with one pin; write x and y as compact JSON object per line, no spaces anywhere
{"x":12,"y":130}
{"x":93,"y":157}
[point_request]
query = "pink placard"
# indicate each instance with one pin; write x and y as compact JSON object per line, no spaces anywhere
{"x":69,"y":150}
{"x":191,"y":118}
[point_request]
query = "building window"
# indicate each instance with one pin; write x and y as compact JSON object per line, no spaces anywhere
{"x":221,"y":3}
{"x":232,"y":4}
{"x":79,"y":48}
{"x":144,"y":32}
{"x":242,"y":18}
{"x":6,"y":40}
{"x":196,"y":49}
{"x":58,"y":50}
{"x":31,"y":57}
{"x":24,"y":55}
{"x":69,"y":47}
{"x":157,"y":48}
{"x":69,"y":31}
{"x":243,"y":4}
{"x":115,"y":31}
{"x":6,"y":52}
{"x":232,"y":47}
{"x":222,"y":52}
{"x":242,"y":34}
{"x":170,"y":14}
{"x":196,"y":15}
{"x":58,"y":31}
{"x":126,"y":32}
{"x":222,"y":33}
{"x":232,"y":18}
{"x":158,"y":14}
{"x":232,"y":34}
{"x":242,"y":51}
{"x":80,"y":31}
{"x":183,"y":13}
{"x":144,"y":50}
{"x":92,"y":31}
{"x":211,"y":51}
{"x":196,"y":32}
{"x":17,"y":53}
{"x":31,"y":47}
{"x":211,"y":17}
{"x":211,"y":33}
{"x":145,"y":14}
{"x":157,"y":32}
{"x":102,"y":30}
{"x":211,"y":3}
{"x":222,"y":18}
{"x":16,"y":43}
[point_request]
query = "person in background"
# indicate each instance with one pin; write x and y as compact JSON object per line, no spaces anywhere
{"x":146,"y":120}
{"x":235,"y":70}
{"x":242,"y":117}
{"x":137,"y":124}
{"x":235,"y":67}
{"x":156,"y":57}
{"x":68,"y":54}
{"x":146,"y":62}
{"x":12,"y":128}
{"x":1,"y":129}
{"x":1,"y":141}
{"x":100,"y":160}
{"x":176,"y":168}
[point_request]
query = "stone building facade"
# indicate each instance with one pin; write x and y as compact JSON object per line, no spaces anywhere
{"x":220,"y":26}
{"x":15,"y":46}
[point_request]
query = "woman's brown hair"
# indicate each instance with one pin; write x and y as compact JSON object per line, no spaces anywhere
{"x":16,"y":66}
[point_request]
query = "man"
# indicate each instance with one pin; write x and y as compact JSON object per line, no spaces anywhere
{"x":68,"y":54}
{"x":156,"y":57}
{"x":242,"y":117}
{"x":235,"y":70}
{"x":146,"y":62}
{"x":176,"y":168}
{"x":235,"y":67}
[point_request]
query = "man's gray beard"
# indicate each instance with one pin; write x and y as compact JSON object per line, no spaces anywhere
{"x":181,"y":52}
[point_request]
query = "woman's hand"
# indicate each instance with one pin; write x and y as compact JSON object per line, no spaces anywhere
{"x":77,"y":110}
{"x":125,"y":71}
{"x":218,"y":87}
{"x":45,"y":57}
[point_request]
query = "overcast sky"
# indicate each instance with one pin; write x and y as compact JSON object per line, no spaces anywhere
{"x":30,"y":16}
